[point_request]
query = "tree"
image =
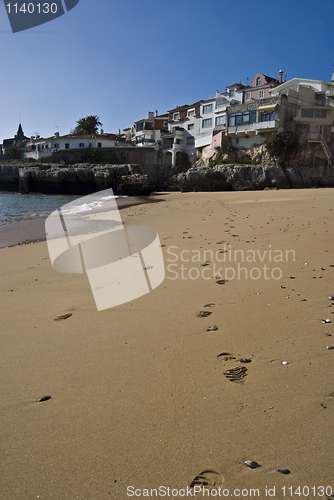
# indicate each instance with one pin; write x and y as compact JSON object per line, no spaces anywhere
{"x":15,"y":152}
{"x":88,"y":125}
{"x":282,"y":144}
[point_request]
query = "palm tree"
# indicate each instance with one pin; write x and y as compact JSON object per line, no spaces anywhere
{"x":88,"y":125}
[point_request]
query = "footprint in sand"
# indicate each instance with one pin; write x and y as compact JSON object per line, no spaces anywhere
{"x":225,"y":356}
{"x":62,"y":317}
{"x":203,"y":314}
{"x":236,"y":374}
{"x":221,"y":281}
{"x":208,"y":479}
{"x":210,"y":304}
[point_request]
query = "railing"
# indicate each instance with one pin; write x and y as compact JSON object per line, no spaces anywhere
{"x":319,"y":137}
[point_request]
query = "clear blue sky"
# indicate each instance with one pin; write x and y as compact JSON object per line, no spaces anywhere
{"x":120,"y":59}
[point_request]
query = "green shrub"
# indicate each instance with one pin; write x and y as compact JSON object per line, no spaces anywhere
{"x":282,"y":144}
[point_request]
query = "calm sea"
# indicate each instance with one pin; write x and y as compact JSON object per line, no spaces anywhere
{"x":16,"y":207}
{"x":22,"y":216}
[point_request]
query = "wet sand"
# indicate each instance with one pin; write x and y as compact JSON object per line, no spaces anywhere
{"x":143,"y":395}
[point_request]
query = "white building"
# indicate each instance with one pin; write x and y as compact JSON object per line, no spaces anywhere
{"x":39,"y":147}
{"x":198,"y":129}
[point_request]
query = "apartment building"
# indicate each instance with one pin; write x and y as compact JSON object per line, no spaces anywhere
{"x":147,"y":132}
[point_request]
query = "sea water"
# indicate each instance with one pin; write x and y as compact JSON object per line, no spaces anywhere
{"x":16,"y":207}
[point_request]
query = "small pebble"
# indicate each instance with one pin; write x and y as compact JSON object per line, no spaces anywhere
{"x":303,"y":300}
{"x":331,"y":297}
{"x":44,"y":398}
{"x":283,"y":471}
{"x":324,"y":406}
{"x":325,"y":321}
{"x":329,"y":347}
{"x":252,"y":465}
{"x":245,"y":360}
{"x":285,"y":363}
{"x":212,"y":328}
{"x":283,"y":286}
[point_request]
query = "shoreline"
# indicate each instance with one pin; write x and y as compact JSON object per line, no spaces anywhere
{"x":29,"y":231}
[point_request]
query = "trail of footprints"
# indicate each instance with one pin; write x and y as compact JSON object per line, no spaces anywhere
{"x":237,"y":373}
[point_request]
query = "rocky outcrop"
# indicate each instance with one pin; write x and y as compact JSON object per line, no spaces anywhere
{"x":75,"y":179}
{"x":244,"y":177}
{"x":128,"y":180}
{"x":9,"y":178}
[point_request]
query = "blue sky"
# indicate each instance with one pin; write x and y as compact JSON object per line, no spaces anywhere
{"x":119,"y":60}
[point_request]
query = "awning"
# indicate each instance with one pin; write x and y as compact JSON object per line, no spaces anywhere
{"x":263,"y":109}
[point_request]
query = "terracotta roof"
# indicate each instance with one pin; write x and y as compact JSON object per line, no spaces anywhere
{"x":186,"y":106}
{"x":73,"y":136}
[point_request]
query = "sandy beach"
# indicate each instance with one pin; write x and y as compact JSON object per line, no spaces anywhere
{"x":147,"y":395}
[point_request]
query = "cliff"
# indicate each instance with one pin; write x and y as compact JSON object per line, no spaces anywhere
{"x":243,"y":177}
{"x":128,"y":179}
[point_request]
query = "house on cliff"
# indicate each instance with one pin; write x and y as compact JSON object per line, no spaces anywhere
{"x":148,"y":131}
{"x":310,"y":114}
{"x":202,"y":128}
{"x":38,"y":147}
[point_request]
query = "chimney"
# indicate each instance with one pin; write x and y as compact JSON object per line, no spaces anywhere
{"x":280,"y":76}
{"x":150,"y":115}
{"x":119,"y":131}
{"x":101,"y":131}
{"x":156,"y":112}
{"x":56,"y":134}
{"x":332,"y":80}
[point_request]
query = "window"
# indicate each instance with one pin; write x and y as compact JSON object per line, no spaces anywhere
{"x":248,"y":96}
{"x":231,"y":92}
{"x":258,"y":81}
{"x":220,"y":120}
{"x":176,"y":116}
{"x":267,"y":117}
{"x":207,"y":123}
{"x":261,"y":94}
{"x":314,"y":113}
{"x":165,"y":124}
{"x":99,"y":144}
{"x":67,"y":145}
{"x":81,"y":145}
{"x":191,"y":126}
{"x":191,"y":112}
{"x":56,"y":146}
{"x":207,"y":108}
{"x":242,"y":118}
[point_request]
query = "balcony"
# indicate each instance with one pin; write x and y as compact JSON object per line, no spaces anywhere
{"x":265,"y":126}
{"x":253,"y":128}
